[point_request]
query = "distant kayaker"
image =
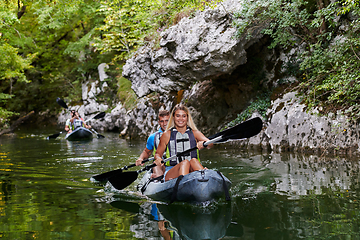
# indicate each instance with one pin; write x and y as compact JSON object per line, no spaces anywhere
{"x":181,"y":134}
{"x":74,"y":122}
{"x":153,"y":142}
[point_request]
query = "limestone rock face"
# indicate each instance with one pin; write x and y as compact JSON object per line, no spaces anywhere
{"x":195,"y":49}
{"x":291,"y":128}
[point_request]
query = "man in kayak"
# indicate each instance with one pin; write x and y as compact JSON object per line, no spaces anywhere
{"x":153,"y":142}
{"x":74,"y":122}
{"x":181,"y":134}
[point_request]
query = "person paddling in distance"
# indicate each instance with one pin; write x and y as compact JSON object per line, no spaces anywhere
{"x":153,"y":142}
{"x":181,"y":134}
{"x":74,"y":122}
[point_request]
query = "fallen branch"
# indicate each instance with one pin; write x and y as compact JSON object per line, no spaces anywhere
{"x":16,"y":123}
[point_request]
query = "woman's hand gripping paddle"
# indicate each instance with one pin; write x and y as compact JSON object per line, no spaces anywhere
{"x":243,"y":130}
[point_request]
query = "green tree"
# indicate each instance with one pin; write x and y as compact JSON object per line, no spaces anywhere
{"x":57,"y":35}
{"x":12,"y":65}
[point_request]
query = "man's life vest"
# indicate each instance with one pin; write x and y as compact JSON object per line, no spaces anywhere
{"x":179,"y":143}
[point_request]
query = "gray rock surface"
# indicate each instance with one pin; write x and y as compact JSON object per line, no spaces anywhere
{"x":291,"y":128}
{"x":197,"y":48}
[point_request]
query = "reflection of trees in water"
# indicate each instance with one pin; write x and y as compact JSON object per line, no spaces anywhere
{"x":273,"y":216}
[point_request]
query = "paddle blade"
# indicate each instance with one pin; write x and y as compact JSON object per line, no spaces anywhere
{"x":104,"y":176}
{"x":97,"y":134}
{"x":245,"y":129}
{"x":100,"y":136}
{"x":123,"y":180}
{"x":54,"y":136}
{"x":99,"y":115}
{"x":61,"y":103}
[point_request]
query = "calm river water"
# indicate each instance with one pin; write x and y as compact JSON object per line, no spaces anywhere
{"x":46,"y":193}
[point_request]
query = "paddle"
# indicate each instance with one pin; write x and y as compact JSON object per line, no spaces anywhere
{"x":246,"y":129}
{"x":55,"y":135}
{"x":243,"y":130}
{"x":98,"y":134}
{"x":104,"y":176}
{"x":97,"y":116}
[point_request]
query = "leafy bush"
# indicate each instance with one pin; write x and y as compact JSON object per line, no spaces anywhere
{"x":261,"y":104}
{"x":329,"y":36}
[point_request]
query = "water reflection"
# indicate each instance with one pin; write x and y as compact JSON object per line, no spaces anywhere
{"x":299,"y":175}
{"x":178,"y":221}
{"x":297,"y":197}
{"x":194,"y":222}
{"x":45,"y":193}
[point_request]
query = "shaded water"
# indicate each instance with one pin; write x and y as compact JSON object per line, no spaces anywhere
{"x":46,"y":193}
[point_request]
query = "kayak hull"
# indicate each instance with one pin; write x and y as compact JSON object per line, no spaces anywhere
{"x":198,"y":186}
{"x":79,"y":133}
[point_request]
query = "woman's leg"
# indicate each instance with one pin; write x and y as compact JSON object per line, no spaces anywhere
{"x":179,"y":169}
{"x":195,"y":165}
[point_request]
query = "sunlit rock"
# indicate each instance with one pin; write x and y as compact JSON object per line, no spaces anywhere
{"x":195,"y":49}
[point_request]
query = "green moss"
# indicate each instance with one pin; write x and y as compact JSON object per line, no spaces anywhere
{"x":125,"y":94}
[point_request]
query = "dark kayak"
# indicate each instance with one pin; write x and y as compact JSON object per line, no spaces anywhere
{"x":198,"y":186}
{"x":79,"y":133}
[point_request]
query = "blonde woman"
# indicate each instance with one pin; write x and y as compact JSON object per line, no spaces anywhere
{"x":181,"y":134}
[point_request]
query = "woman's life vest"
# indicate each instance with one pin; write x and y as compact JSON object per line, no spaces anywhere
{"x":179,"y":143}
{"x":77,"y":123}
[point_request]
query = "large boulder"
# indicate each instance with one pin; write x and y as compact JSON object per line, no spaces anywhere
{"x":197,"y":48}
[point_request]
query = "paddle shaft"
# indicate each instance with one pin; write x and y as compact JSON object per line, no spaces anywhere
{"x":134,"y":165}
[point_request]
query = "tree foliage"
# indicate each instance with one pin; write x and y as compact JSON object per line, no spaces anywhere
{"x":48,"y":49}
{"x":132,"y":23}
{"x":327,"y":36}
{"x":52,"y":47}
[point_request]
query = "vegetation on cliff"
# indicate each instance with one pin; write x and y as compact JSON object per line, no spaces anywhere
{"x":326,"y":37}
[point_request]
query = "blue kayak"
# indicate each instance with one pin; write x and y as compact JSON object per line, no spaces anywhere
{"x":199,"y":186}
{"x":80,"y":133}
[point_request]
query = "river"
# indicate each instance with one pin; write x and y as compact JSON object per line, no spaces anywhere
{"x":46,"y":193}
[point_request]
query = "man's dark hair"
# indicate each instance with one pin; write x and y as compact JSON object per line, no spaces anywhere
{"x":164,"y":113}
